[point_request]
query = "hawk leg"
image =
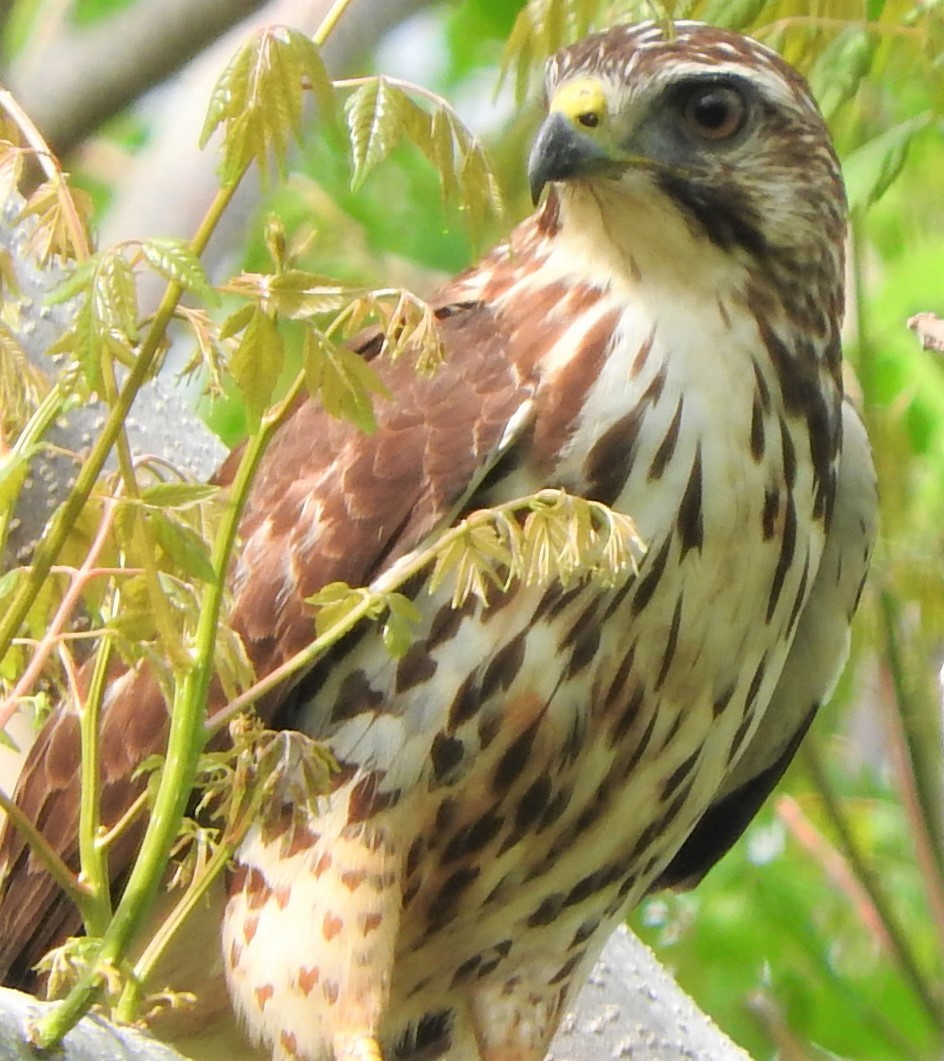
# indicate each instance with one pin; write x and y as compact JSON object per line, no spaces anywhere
{"x":309,"y":938}
{"x":515,"y":1021}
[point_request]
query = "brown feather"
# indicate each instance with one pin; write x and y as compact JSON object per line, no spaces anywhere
{"x":382,"y":494}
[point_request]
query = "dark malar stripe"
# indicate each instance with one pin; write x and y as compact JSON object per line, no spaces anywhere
{"x":721,"y":213}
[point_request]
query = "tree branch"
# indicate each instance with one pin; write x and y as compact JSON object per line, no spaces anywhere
{"x":72,"y":80}
{"x":630,"y":1007}
{"x":75,"y":79}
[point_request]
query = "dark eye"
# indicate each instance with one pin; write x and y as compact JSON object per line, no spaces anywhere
{"x":715,"y":112}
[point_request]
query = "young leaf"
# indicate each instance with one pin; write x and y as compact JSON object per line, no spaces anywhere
{"x":840,"y":67}
{"x":188,"y":551}
{"x":335,"y":602}
{"x":177,"y":495}
{"x":375,"y":117}
{"x":380,"y":113}
{"x":62,"y":214}
{"x":257,"y":363}
{"x":259,"y":99}
{"x":871,"y":168}
{"x":342,"y":379}
{"x":297,"y":294}
{"x":174,"y":260}
{"x":115,"y":297}
{"x":541,"y":28}
{"x":402,"y":617}
{"x":237,"y":321}
{"x":478,"y":560}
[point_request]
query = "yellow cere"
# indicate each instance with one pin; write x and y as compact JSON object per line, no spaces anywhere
{"x":585,"y":96}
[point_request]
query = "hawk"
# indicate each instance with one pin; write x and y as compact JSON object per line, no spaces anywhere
{"x":661,"y":336}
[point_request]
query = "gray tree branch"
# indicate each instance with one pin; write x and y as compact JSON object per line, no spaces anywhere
{"x":75,"y":78}
{"x":629,"y":1008}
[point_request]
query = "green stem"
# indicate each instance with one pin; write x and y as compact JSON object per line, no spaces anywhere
{"x":330,"y":20}
{"x":184,"y":744}
{"x":92,"y":857}
{"x":143,"y":541}
{"x":187,"y":731}
{"x":107,"y":838}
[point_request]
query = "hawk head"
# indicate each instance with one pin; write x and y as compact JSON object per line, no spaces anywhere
{"x":714,"y":122}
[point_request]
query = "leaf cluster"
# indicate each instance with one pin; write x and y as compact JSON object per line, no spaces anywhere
{"x":381,"y":112}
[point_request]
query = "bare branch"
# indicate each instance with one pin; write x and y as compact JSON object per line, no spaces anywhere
{"x":76,"y":79}
{"x":630,"y":1007}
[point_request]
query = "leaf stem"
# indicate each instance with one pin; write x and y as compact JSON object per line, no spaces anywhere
{"x":92,"y":857}
{"x":330,"y":21}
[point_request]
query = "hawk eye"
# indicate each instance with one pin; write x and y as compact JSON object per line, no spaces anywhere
{"x":714,"y":112}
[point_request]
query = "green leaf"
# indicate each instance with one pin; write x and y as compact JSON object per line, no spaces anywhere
{"x":480,"y":194}
{"x":257,"y":363}
{"x":733,"y":14}
{"x":335,"y":602}
{"x":342,"y":379}
{"x":398,"y":630}
{"x":115,"y":296}
{"x":442,"y":152}
{"x":259,"y":99}
{"x":173,"y":259}
{"x":541,"y":28}
{"x":237,"y":320}
{"x":298,"y":294}
{"x":9,"y":581}
{"x":177,"y":495}
{"x":375,"y":118}
{"x":840,"y":67}
{"x":381,"y":113}
{"x":873,"y":167}
{"x":188,"y":551}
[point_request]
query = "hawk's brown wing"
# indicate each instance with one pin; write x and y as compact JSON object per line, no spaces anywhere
{"x":329,"y":504}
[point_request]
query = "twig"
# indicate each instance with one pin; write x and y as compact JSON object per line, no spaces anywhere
{"x":60,"y":620}
{"x":52,"y":863}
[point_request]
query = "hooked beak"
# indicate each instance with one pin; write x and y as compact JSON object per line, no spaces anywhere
{"x":561,"y":152}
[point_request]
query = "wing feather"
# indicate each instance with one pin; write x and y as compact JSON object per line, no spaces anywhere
{"x":329,"y":504}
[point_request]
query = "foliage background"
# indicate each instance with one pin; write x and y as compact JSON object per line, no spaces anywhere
{"x":822,"y":934}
